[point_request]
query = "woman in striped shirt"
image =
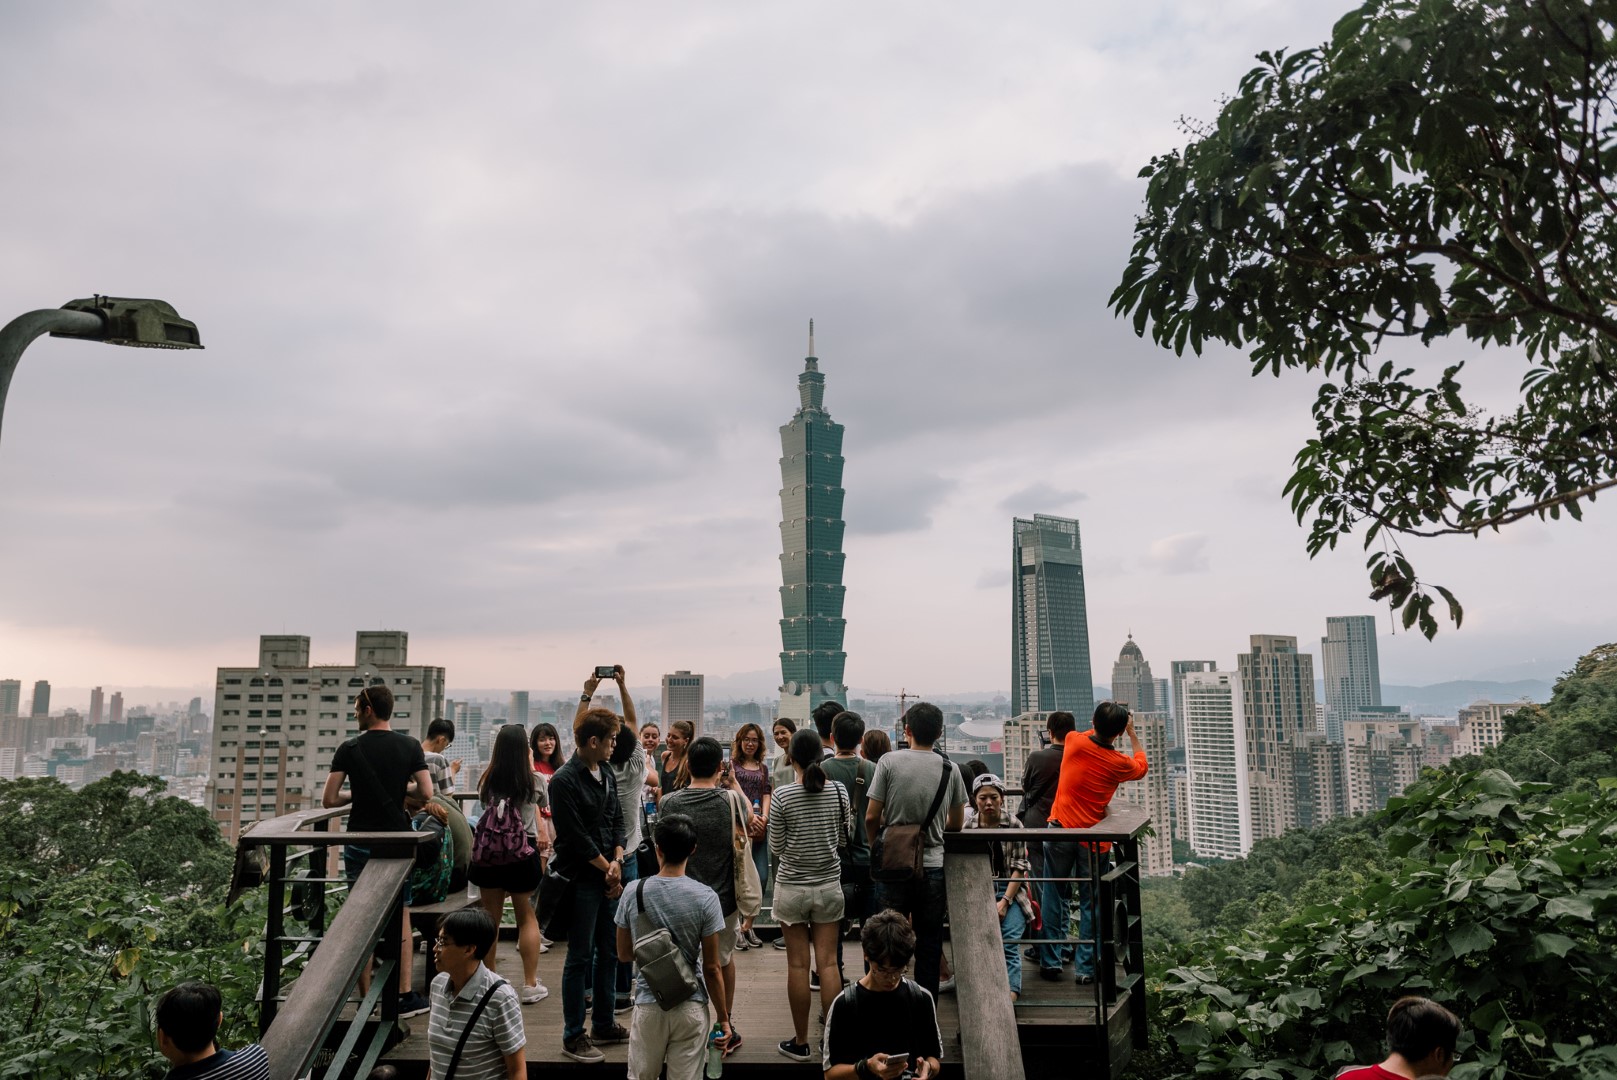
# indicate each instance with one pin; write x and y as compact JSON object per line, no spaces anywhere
{"x":808,"y":821}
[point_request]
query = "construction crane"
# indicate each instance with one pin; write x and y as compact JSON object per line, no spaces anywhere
{"x":904,"y":697}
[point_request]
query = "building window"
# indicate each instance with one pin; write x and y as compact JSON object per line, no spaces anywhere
{"x":251,"y":713}
{"x":232,"y":682}
{"x":232,"y":697}
{"x":328,"y":697}
{"x":300,"y":682}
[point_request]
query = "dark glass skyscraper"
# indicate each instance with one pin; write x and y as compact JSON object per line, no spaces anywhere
{"x":811,"y":592}
{"x":1049,"y":621}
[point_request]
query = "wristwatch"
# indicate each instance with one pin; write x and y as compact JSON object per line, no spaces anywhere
{"x":584,"y":697}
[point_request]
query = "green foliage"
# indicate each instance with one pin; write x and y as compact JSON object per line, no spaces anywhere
{"x":1494,"y":895}
{"x":1571,"y":742}
{"x":1503,"y":907}
{"x":108,"y":896}
{"x":1438,"y":167}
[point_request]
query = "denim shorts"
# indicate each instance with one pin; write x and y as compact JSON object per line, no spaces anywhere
{"x":798,"y":904}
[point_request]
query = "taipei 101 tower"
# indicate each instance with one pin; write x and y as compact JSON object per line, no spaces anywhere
{"x":811,"y":591}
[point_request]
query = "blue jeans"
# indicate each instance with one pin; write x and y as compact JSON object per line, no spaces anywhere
{"x":625,"y":984}
{"x":592,"y":945}
{"x":1012,"y":927}
{"x":1068,"y":860}
{"x":925,"y":902}
{"x":760,"y":859}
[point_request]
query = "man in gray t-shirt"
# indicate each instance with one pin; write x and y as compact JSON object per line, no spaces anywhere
{"x":689,"y":911}
{"x":905,"y":785}
{"x":711,"y":808}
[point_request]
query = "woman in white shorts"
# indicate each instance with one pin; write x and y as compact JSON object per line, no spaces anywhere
{"x":808,"y":821}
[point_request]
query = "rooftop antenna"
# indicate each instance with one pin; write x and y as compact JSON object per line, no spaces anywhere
{"x":811,"y":337}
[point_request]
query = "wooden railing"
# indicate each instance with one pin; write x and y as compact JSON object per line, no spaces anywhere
{"x":297,"y":1027}
{"x":1117,"y":1017}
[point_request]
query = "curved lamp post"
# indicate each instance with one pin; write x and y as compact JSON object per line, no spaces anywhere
{"x":147,"y":324}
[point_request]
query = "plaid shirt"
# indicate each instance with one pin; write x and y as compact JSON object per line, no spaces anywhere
{"x":1011,"y":858}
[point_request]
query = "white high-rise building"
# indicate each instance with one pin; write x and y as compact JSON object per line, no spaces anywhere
{"x":682,"y":699}
{"x":1154,"y":793}
{"x":1277,"y":689}
{"x":1177,"y":670}
{"x":1385,"y":753}
{"x":278,"y":723}
{"x":1023,"y":735}
{"x":1218,"y":804}
{"x":1482,"y":725}
{"x":1352,"y":669}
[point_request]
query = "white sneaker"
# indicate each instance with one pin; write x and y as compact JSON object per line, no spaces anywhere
{"x":529,"y":995}
{"x":544,"y":946}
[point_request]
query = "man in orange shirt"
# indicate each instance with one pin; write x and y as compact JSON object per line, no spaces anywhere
{"x":1091,"y":769}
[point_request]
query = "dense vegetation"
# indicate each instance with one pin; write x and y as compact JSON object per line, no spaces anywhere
{"x":1492,"y":892}
{"x":108,"y":896}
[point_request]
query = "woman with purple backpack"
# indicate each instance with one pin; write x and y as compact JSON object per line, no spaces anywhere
{"x":505,"y":848}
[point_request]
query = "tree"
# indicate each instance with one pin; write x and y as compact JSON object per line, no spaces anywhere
{"x":1571,"y":741}
{"x":1438,"y":168}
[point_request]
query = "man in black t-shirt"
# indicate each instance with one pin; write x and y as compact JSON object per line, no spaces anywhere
{"x":379,"y":764}
{"x":884,"y":1024}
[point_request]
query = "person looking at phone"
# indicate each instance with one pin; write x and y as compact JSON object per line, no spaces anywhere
{"x":884,"y":1025}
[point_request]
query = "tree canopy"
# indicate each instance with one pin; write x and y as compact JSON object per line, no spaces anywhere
{"x":1438,"y":168}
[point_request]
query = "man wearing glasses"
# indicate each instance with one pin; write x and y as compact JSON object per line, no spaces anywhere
{"x":466,"y":993}
{"x":884,"y":1026}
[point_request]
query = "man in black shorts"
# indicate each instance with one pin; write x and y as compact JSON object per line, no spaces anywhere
{"x":884,"y":1024}
{"x":379,"y":764}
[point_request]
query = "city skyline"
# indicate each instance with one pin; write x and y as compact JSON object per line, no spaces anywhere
{"x":949,"y":197}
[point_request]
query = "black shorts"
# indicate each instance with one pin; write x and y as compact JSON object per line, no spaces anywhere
{"x":517,"y":877}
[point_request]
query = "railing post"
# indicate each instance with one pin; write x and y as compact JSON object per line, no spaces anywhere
{"x":1136,"y":946}
{"x":274,"y":928}
{"x":320,"y":863}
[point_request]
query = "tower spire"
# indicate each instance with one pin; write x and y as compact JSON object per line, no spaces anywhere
{"x":811,"y":337}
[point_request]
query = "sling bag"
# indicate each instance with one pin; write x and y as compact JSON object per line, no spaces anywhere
{"x":466,"y":1033}
{"x":896,"y":855}
{"x":668,"y":974}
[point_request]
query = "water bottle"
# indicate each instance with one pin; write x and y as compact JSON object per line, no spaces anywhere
{"x":715,"y":1054}
{"x":651,"y":809}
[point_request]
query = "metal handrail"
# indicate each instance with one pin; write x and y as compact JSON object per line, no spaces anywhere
{"x":295,"y":1030}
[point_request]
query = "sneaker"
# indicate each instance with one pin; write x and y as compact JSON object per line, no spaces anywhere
{"x":1031,"y":953}
{"x":946,"y":986}
{"x":579,"y":1048}
{"x":544,"y":946}
{"x":780,"y":942}
{"x":1050,"y":974}
{"x":814,"y":980}
{"x":413,"y":1004}
{"x":791,"y":1048}
{"x":623,"y":1004}
{"x":754,"y":940}
{"x":617,"y":1033}
{"x":532,"y":995}
{"x":1085,"y":979}
{"x":742,"y":944}
{"x":735,"y":1041}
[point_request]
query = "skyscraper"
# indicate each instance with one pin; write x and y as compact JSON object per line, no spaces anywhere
{"x":1217,"y":809}
{"x":682,"y":699}
{"x":1049,"y":622}
{"x":518,"y":713}
{"x":1352,"y":669}
{"x":1177,"y":670}
{"x":812,"y":662}
{"x":97,"y":705}
{"x":42,"y":699}
{"x":1132,"y":684}
{"x":115,"y":709}
{"x":1277,"y":697}
{"x":10,"y":698}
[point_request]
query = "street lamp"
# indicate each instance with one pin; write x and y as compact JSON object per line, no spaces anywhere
{"x":116,"y":320}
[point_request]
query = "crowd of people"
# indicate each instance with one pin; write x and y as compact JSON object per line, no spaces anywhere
{"x":648,"y":853}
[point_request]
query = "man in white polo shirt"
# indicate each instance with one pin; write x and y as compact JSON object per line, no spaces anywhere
{"x":467,"y":992}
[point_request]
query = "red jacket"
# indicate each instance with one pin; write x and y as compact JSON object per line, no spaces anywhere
{"x":1090,"y":774}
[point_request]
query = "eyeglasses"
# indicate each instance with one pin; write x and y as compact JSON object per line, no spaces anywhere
{"x":441,"y":943}
{"x":889,"y":972}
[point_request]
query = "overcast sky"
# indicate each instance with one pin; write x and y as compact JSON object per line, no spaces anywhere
{"x":504,"y":307}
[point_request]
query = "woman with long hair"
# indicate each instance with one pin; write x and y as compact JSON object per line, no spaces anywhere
{"x":780,"y":763}
{"x":752,"y":775}
{"x":874,"y":745}
{"x":810,"y":820}
{"x":546,"y":746}
{"x":672,"y":772}
{"x":510,"y":785}
{"x":547,"y":756}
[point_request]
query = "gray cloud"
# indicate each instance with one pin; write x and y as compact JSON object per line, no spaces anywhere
{"x":1040,"y":498}
{"x":1182,"y":553}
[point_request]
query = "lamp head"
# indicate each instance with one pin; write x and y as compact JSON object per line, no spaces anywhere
{"x":146,"y":324}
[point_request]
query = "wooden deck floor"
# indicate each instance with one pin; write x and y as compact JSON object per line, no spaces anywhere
{"x":760,"y":1014}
